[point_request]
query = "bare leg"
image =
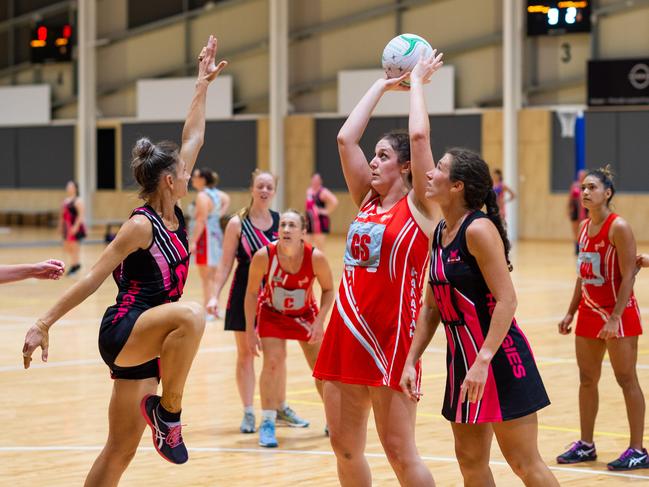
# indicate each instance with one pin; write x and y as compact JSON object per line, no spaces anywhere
{"x":623,"y":353}
{"x":518,"y":440}
{"x":270,"y":387}
{"x":590,"y":353}
{"x":347,"y":408}
{"x":472,"y":448}
{"x":75,"y":252}
{"x":311,"y":354}
{"x":125,"y":427}
{"x":172,"y":331}
{"x":395,"y":415}
{"x":245,"y":370}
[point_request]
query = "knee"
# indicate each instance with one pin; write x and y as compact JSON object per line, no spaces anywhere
{"x":343,"y":450}
{"x":627,"y":380}
{"x":193,"y":318}
{"x":524,"y":466}
{"x":400,"y":456}
{"x":274,"y":362}
{"x":588,"y":379}
{"x":471,"y":460}
{"x":119,"y":456}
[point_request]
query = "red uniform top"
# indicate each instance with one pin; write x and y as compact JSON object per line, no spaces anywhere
{"x":600,"y":275}
{"x":286,"y":306}
{"x":373,"y":322}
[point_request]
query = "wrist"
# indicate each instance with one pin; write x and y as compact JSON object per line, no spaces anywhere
{"x":484,"y":357}
{"x":615,"y":317}
{"x":42,"y":325}
{"x":202,"y":83}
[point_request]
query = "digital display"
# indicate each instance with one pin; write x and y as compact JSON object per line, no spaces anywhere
{"x":51,"y":43}
{"x":557,"y":17}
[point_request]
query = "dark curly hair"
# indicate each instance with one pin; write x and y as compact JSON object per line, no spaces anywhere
{"x":473,"y":171}
{"x":605,"y":175}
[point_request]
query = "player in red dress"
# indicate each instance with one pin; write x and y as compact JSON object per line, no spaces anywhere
{"x":286,"y":309}
{"x":609,"y":320}
{"x":372,"y":325}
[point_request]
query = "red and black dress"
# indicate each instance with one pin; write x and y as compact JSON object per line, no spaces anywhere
{"x":69,"y":214}
{"x":147,"y":278}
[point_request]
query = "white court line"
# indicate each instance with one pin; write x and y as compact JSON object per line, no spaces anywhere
{"x":232,"y":348}
{"x":585,"y":471}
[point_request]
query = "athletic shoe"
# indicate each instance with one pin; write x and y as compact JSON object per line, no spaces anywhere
{"x":326,"y":430}
{"x":73,"y":270}
{"x":247,"y":423}
{"x":630,"y":460}
{"x":267,"y":437}
{"x":167,"y":440}
{"x":287,"y":417}
{"x":578,"y":452}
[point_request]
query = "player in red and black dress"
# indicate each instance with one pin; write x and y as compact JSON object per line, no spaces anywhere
{"x":71,"y":224}
{"x":371,"y":326}
{"x":149,"y":256}
{"x":493,"y":385}
{"x":320,"y":202}
{"x":609,"y":320}
{"x":285,"y":309}
{"x":576,"y":211}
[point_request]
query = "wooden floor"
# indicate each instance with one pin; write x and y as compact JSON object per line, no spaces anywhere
{"x":53,"y":416}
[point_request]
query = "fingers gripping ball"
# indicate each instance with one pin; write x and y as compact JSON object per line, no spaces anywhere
{"x":402,"y":53}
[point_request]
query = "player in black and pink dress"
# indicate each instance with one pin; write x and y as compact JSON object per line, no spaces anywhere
{"x":281,"y":304}
{"x":72,"y":226}
{"x":608,"y":320}
{"x":493,"y":385}
{"x":146,"y":335}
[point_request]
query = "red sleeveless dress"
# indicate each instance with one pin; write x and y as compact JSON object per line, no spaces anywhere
{"x":287,"y":307}
{"x":374,"y":317}
{"x":599,"y":271}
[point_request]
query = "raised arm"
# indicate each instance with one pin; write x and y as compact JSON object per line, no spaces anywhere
{"x":427,"y":323}
{"x":135,"y":234}
{"x":194,"y":128}
{"x":323,"y":275}
{"x":485,"y":244}
{"x":355,"y":168}
{"x":258,"y":266}
{"x":230,"y":244}
{"x":624,"y":242}
{"x":421,"y":154}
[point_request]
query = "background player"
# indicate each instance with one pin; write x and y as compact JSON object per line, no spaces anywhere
{"x":609,"y":320}
{"x":253,"y":228}
{"x":72,"y":226}
{"x":206,"y":236}
{"x":320,"y":203}
{"x":503,"y":193}
{"x":286,"y":309}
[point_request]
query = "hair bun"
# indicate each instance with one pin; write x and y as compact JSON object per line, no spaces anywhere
{"x":607,"y":171}
{"x":143,"y":149}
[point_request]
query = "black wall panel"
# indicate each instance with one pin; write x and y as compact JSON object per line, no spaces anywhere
{"x":633,"y":150}
{"x":230,"y":148}
{"x":563,"y":158}
{"x":601,"y":140}
{"x":8,"y":158}
{"x":446,"y":131}
{"x":45,"y":156}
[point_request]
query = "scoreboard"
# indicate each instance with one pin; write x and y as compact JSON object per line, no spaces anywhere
{"x":557,"y":17}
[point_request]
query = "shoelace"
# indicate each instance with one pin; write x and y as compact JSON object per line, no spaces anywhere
{"x":629,"y":452}
{"x":174,"y":437}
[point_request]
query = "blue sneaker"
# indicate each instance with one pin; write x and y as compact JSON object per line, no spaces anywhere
{"x":267,"y":437}
{"x":578,"y":452}
{"x":630,"y":460}
{"x":287,"y":417}
{"x":167,"y":438}
{"x":247,"y":423}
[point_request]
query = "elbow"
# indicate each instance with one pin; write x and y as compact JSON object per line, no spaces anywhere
{"x":418,"y":136}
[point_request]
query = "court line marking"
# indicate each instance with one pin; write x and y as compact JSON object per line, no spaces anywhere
{"x":500,"y":463}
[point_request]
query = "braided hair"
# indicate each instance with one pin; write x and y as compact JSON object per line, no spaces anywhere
{"x":473,"y":171}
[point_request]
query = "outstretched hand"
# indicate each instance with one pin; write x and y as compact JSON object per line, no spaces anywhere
{"x":48,"y":269}
{"x":208,"y":70}
{"x":426,"y":67}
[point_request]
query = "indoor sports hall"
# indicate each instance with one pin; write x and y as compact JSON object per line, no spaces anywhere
{"x":552,"y":95}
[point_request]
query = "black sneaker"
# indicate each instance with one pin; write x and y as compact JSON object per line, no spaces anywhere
{"x":167,"y":438}
{"x":578,"y":452}
{"x":630,"y":460}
